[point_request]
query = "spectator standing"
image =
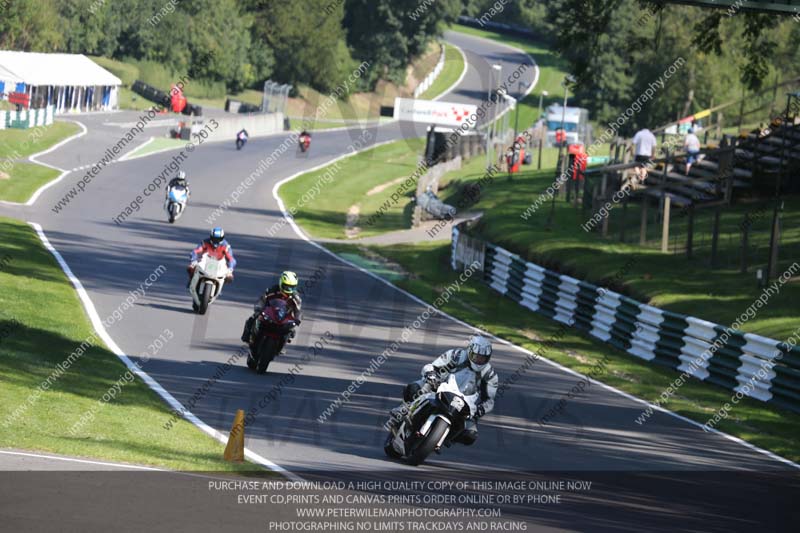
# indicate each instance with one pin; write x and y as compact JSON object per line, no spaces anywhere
{"x":644,"y":147}
{"x":692,"y":146}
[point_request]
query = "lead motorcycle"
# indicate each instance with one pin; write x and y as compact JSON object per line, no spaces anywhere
{"x":273,"y":324}
{"x":435,"y":419}
{"x":207,"y":281}
{"x":175,"y":204}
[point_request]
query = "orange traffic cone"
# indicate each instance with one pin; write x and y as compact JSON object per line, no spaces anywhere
{"x":234,"y":450}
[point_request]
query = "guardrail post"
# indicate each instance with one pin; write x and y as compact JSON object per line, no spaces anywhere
{"x":624,"y":212}
{"x":715,"y":237}
{"x":643,"y":223}
{"x":539,"y":166}
{"x":665,"y":225}
{"x":603,"y":188}
{"x":745,"y":239}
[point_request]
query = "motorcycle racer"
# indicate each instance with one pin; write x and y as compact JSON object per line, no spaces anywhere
{"x":473,"y":373}
{"x":179,"y":181}
{"x":286,"y":288}
{"x":217,"y":247}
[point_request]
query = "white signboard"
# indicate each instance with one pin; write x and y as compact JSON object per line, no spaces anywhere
{"x":434,"y":112}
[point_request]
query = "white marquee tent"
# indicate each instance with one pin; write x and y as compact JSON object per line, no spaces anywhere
{"x":70,"y":82}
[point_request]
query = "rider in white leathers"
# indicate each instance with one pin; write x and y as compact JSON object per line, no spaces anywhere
{"x":473,"y":374}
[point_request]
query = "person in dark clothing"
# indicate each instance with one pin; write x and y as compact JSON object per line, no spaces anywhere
{"x":286,"y":288}
{"x":179,"y":181}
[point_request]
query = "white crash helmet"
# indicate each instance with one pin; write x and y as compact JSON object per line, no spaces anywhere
{"x":479,"y":352}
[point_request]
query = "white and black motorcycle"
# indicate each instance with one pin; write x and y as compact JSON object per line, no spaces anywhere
{"x":435,"y":418}
{"x":207,"y":282}
{"x":175,"y":202}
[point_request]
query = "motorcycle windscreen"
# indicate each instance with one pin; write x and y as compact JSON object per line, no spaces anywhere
{"x":466,"y":386}
{"x":177,"y":194}
{"x":214,"y":268}
{"x":281,"y":309}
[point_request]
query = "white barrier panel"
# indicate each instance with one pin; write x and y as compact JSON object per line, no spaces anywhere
{"x":431,"y":77}
{"x":433,"y":112}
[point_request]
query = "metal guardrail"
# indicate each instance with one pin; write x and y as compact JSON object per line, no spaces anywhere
{"x":432,"y":75}
{"x":752,"y":365}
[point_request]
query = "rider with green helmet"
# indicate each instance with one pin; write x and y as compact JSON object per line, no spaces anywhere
{"x":286,"y":288}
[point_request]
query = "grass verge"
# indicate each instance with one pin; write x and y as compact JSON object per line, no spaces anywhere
{"x":20,"y":179}
{"x":669,"y":281}
{"x":17,"y":144}
{"x":24,"y":179}
{"x":477,"y":304}
{"x":41,"y":324}
{"x":355,"y":183}
{"x":453,"y":67}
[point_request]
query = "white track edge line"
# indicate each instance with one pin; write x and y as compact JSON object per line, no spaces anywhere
{"x":87,"y":461}
{"x":32,"y":158}
{"x":127,"y":155}
{"x":461,"y":77}
{"x":144,"y":376}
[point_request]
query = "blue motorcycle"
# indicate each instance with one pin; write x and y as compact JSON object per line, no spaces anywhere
{"x":176,"y":202}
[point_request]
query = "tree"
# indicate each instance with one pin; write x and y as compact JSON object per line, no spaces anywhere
{"x":30,"y":25}
{"x":390,"y":33}
{"x":307,"y":37}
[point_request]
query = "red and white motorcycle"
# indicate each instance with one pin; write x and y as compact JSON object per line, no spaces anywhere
{"x":209,"y":277}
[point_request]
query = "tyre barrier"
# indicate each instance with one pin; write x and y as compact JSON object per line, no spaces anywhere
{"x":163,"y":99}
{"x":236,"y":106}
{"x":749,"y":364}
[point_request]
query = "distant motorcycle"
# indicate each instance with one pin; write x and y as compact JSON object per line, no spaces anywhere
{"x":435,"y":418}
{"x":304,"y":142}
{"x":272,"y":325}
{"x":175,"y":203}
{"x":207,"y":281}
{"x":241,"y":140}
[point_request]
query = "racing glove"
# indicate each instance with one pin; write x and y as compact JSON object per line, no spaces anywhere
{"x":480,"y":411}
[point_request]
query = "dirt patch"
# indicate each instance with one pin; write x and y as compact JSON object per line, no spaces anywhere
{"x":385,"y":262}
{"x":382,"y":187}
{"x":4,"y":176}
{"x":351,"y":231}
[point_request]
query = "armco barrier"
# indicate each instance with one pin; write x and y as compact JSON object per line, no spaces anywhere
{"x":27,"y":118}
{"x":752,"y":365}
{"x":431,"y":77}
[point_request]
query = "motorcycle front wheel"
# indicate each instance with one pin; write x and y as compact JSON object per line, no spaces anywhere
{"x":267,"y":347}
{"x":388,"y":449}
{"x":205,"y":298}
{"x":428,"y":443}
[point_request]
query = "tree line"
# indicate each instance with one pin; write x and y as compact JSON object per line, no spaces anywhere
{"x":615,"y":48}
{"x":618,"y":48}
{"x":240,"y":43}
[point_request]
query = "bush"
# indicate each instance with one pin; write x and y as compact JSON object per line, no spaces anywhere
{"x":156,"y":74}
{"x":204,"y":89}
{"x":162,"y":78}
